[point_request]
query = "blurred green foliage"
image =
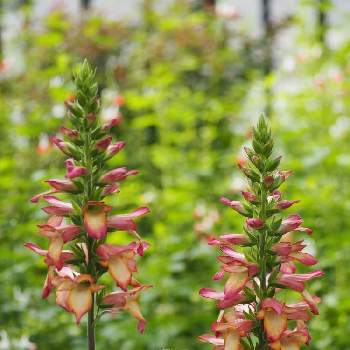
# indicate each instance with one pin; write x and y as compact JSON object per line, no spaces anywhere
{"x":185,"y":75}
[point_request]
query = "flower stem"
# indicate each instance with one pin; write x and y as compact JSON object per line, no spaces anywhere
{"x":262,"y":261}
{"x":91,"y":326}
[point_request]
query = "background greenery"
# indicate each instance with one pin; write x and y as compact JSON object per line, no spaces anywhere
{"x":193,"y":84}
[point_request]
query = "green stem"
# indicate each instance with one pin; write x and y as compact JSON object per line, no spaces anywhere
{"x":88,"y":190}
{"x":91,"y":326}
{"x":262,"y":262}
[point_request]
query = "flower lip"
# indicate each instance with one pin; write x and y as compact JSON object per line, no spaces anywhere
{"x":95,"y":218}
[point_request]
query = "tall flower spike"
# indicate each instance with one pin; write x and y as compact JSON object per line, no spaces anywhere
{"x":84,"y":219}
{"x":253,"y":315}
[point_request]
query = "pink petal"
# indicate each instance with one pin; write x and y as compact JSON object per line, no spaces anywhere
{"x":255,"y":223}
{"x":211,"y":294}
{"x":114,"y":149}
{"x":36,"y":198}
{"x":207,"y":338}
{"x":95,"y":222}
{"x":104,"y":143}
{"x":106,"y":251}
{"x":69,"y":132}
{"x":62,"y":185}
{"x":275,"y":324}
{"x":35,"y":248}
{"x":273,"y":304}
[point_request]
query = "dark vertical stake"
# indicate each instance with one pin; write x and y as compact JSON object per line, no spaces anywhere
{"x":268,"y":59}
{"x":322,"y":21}
{"x":1,"y":43}
{"x":85,"y":4}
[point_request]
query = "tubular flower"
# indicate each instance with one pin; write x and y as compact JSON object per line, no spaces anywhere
{"x":260,"y":262}
{"x":74,"y":293}
{"x":120,"y":261}
{"x":128,"y":301}
{"x":84,"y":220}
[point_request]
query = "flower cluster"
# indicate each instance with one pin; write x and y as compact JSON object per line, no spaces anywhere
{"x":82,"y":219}
{"x":262,"y":262}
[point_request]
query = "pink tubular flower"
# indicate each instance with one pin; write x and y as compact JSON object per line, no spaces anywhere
{"x":57,"y":206}
{"x":74,"y":293}
{"x":235,"y":205}
{"x":125,"y":222}
{"x":72,"y":134}
{"x":232,"y":326}
{"x":120,"y":261}
{"x":257,"y":265}
{"x":103,"y":144}
{"x":255,"y":223}
{"x":128,"y":301}
{"x":289,"y":252}
{"x":292,"y":339}
{"x":284,"y":204}
{"x":275,"y":321}
{"x":118,"y":174}
{"x":292,"y":223}
{"x":74,"y":171}
{"x":58,"y":235}
{"x":65,"y":255}
{"x":62,"y":185}
{"x":297,"y":281}
{"x":114,"y":149}
{"x":228,"y":239}
{"x":250,"y":197}
{"x":37,"y":197}
{"x":111,"y":123}
{"x":62,"y":145}
{"x":110,"y":189}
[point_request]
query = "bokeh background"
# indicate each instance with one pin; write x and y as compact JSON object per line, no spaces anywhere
{"x":188,"y":78}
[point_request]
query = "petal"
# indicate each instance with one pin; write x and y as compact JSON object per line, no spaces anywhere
{"x":235,"y":255}
{"x":104,"y":143}
{"x":274,"y":324}
{"x":36,"y":249}
{"x":120,"y":272}
{"x":55,"y":249}
{"x":304,"y":258}
{"x":57,"y":202}
{"x":107,"y":251}
{"x":134,"y":308}
{"x":236,"y":281}
{"x":52,"y":210}
{"x":36,"y":198}
{"x":211,"y":294}
{"x":232,"y":341}
{"x":114,"y":149}
{"x":62,"y":293}
{"x":208,"y":338}
{"x":62,"y":185}
{"x":120,"y":223}
{"x":219,"y":275}
{"x":311,"y":301}
{"x":137,"y":212}
{"x":48,"y":285}
{"x":79,"y":301}
{"x":95,"y":222}
{"x":110,"y":189}
{"x":274,"y":304}
{"x":69,"y":232}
